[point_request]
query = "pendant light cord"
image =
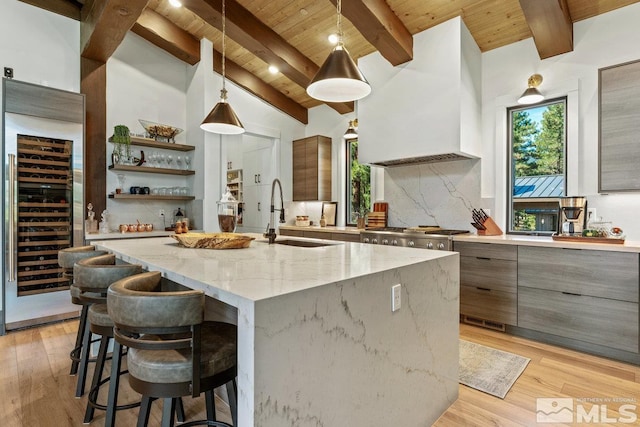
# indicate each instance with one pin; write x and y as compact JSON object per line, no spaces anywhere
{"x":339,"y":9}
{"x":223,"y":92}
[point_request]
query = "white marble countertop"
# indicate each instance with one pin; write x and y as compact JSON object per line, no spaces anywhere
{"x":547,"y":241}
{"x":263,"y":271}
{"x":327,"y":229}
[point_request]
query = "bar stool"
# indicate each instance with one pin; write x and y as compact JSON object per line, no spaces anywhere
{"x":92,"y":277}
{"x":66,"y":259}
{"x":173,"y":352}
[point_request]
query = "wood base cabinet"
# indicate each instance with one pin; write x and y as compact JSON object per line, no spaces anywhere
{"x":585,"y":295}
{"x":488,"y":281}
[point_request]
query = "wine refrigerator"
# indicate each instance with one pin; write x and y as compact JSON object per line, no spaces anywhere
{"x":43,"y":135}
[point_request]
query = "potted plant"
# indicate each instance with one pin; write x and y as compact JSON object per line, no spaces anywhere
{"x":121,"y":144}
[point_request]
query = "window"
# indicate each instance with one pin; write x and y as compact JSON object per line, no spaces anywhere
{"x":537,"y":166}
{"x":358,"y":185}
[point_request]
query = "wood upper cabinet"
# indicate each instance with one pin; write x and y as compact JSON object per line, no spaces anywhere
{"x":312,"y":169}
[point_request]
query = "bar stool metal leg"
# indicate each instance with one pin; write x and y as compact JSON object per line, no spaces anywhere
{"x":84,"y":360}
{"x":77,"y":349}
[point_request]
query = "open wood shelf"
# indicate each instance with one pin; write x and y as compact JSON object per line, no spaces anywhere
{"x":148,"y":142}
{"x":165,"y":171}
{"x":126,"y":196}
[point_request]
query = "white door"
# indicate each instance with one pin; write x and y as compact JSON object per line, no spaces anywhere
{"x":256,"y":208}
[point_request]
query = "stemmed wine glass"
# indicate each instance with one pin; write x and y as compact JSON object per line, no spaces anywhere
{"x":163,"y":159}
{"x":170,"y":161}
{"x":179,"y":162}
{"x":187,"y":162}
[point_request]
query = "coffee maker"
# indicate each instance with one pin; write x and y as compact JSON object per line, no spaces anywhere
{"x":572,"y":215}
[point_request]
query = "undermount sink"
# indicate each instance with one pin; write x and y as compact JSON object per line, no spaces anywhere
{"x":302,"y":243}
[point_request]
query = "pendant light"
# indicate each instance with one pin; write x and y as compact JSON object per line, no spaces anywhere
{"x":339,"y":79}
{"x":351,"y":132}
{"x":222,"y":119}
{"x":532,"y":95}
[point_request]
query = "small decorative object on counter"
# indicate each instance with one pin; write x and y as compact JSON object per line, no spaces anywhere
{"x":91,"y":224}
{"x":323,"y":221}
{"x":302,"y":221}
{"x":485,"y":225}
{"x":178,"y":227}
{"x":104,"y":224}
{"x":227,"y":212}
{"x":178,"y":216}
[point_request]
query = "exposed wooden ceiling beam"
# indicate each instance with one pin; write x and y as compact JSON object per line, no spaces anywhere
{"x":375,"y":20}
{"x":259,"y":88}
{"x":248,"y":31}
{"x":550,"y":24}
{"x":68,"y":8}
{"x":104,"y":23}
{"x":166,"y":35}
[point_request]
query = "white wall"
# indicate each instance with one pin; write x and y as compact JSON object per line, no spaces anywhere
{"x":145,"y":83}
{"x":608,"y":39}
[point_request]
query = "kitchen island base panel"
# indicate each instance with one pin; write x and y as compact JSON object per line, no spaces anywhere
{"x":337,"y":355}
{"x":317,"y":341}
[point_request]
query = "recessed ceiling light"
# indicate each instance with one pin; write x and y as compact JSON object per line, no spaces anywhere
{"x":333,"y":38}
{"x":175,"y":3}
{"x":273,"y":69}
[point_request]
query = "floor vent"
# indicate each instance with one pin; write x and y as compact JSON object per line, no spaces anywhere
{"x":489,"y":324}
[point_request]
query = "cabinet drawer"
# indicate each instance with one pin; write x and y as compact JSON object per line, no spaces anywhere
{"x":600,"y":321}
{"x":496,"y":274}
{"x":345,"y":237}
{"x":493,"y":305}
{"x":317,"y":235}
{"x":603,"y":274}
{"x":486,"y":250}
{"x":294,"y":233}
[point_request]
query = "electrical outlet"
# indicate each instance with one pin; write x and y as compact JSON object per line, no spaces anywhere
{"x":395,"y":297}
{"x":8,"y":72}
{"x":161,"y":212}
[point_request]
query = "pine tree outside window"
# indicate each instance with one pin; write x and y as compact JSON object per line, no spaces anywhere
{"x":358,"y":185}
{"x":537,"y":166}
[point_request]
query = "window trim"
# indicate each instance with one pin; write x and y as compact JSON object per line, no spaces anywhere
{"x":510,"y":168}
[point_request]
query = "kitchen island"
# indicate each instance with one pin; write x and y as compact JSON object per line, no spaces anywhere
{"x":318,"y":343}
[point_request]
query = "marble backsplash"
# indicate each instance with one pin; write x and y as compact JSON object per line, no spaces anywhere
{"x":433,"y":194}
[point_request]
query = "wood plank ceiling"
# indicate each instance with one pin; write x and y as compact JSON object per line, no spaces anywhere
{"x":292,"y":34}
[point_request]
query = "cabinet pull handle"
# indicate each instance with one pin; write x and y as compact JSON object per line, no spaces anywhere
{"x":571,"y":293}
{"x":259,"y":179}
{"x":485,"y":258}
{"x":255,"y":179}
{"x":259,"y":209}
{"x":483,"y":289}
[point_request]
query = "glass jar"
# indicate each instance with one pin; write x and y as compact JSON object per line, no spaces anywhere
{"x":227,"y":212}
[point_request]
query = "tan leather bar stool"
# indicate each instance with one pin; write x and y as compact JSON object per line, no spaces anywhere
{"x":66,"y":259}
{"x":93,"y":277}
{"x":173,"y":352}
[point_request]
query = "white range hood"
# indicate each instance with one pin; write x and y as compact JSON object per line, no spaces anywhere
{"x":428,"y":109}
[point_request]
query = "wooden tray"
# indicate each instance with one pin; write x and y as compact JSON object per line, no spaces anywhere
{"x":213,"y":240}
{"x":581,"y":239}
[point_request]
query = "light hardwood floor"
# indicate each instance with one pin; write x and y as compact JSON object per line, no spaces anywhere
{"x":36,"y":389}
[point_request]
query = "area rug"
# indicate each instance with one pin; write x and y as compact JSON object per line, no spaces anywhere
{"x":489,"y":370}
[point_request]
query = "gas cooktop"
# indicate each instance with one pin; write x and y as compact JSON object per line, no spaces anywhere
{"x":434,"y":230}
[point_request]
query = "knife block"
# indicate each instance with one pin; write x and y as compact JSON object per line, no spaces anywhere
{"x":492,"y":228}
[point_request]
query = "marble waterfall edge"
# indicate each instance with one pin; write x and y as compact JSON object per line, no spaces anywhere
{"x":336,"y":355}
